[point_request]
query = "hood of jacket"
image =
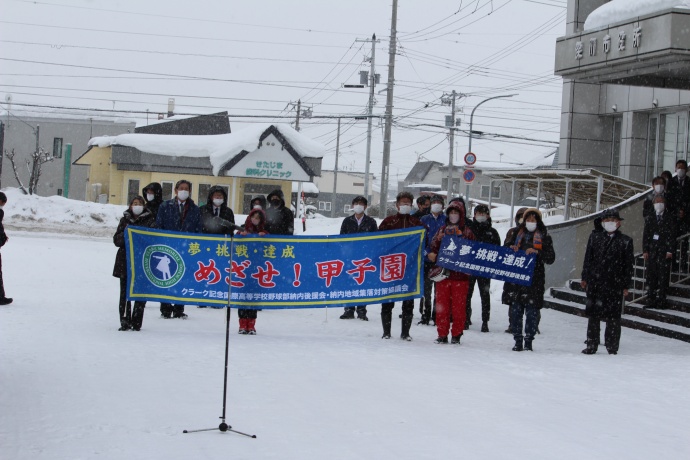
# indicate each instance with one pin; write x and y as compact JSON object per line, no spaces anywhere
{"x":261,"y":199}
{"x":276,"y":193}
{"x":214,"y":189}
{"x":157,"y":192}
{"x":460,"y":207}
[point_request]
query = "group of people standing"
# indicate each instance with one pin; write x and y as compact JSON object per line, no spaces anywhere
{"x":181,"y":214}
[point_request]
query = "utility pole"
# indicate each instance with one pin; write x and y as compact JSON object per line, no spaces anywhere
{"x":335,"y":172}
{"x":383,"y":204}
{"x":450,"y":100}
{"x":299,"y":108}
{"x":372,"y":83}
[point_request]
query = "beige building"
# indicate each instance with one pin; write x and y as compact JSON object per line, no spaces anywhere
{"x":247,"y":163}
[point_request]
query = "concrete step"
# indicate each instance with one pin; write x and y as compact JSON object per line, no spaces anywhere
{"x":672,"y":331}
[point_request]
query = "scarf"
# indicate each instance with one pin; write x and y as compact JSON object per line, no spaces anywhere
{"x":536,"y":240}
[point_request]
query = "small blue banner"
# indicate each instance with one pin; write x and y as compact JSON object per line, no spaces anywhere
{"x":486,"y":260}
{"x":274,"y":272}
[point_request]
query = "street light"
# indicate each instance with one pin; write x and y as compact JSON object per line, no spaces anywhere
{"x":469,"y":149}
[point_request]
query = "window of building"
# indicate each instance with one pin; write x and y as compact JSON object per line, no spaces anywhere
{"x":651,"y":167}
{"x":347,"y":208}
{"x":167,"y":190}
{"x":202,"y":197}
{"x":616,"y":146}
{"x":496,"y":192}
{"x":132,"y":190}
{"x":57,"y":147}
{"x":324,"y":205}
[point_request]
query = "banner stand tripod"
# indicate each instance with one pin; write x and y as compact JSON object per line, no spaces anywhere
{"x":224,"y":426}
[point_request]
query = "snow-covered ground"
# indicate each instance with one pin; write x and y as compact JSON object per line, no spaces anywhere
{"x":309,"y":385}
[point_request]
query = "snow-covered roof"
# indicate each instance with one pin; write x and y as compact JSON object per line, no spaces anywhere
{"x":67,"y":114}
{"x":219,"y":149}
{"x":423,"y":186}
{"x":307,"y":187}
{"x":621,"y":10}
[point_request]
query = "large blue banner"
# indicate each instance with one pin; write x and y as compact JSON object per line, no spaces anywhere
{"x":274,"y":272}
{"x":486,"y":260}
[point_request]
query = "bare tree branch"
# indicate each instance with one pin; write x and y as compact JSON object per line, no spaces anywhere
{"x":10,"y":156}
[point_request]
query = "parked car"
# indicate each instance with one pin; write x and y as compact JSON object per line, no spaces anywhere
{"x":531,"y":202}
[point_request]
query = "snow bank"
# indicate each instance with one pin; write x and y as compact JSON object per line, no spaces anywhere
{"x":219,"y":148}
{"x":620,"y":10}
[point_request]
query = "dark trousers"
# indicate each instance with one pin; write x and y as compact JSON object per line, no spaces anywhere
{"x":427,"y":308}
{"x":130,"y":318}
{"x":168,"y":309}
{"x":246,"y":313}
{"x":612,"y":334}
{"x":2,"y":284}
{"x":531,"y":314}
{"x":387,"y":317}
{"x":361,"y":310}
{"x":657,"y":277}
{"x":484,"y":295}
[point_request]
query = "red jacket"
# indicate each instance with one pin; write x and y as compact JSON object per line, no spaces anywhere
{"x":399,"y":221}
{"x":458,"y":229}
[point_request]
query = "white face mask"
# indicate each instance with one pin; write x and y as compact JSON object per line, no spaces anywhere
{"x":182,"y":195}
{"x":358,"y":208}
{"x":150,"y":196}
{"x":659,"y":207}
{"x":480,"y":219}
{"x":610,"y":226}
{"x":680,"y":172}
{"x":137,"y":210}
{"x":436,"y":208}
{"x":658,"y":188}
{"x":454,"y":218}
{"x":257,"y":206}
{"x":531,"y":226}
{"x":218,"y":201}
{"x":405,"y":209}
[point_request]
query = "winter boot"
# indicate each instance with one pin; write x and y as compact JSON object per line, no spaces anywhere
{"x":406,"y":324}
{"x":349,"y":314}
{"x":590,"y":350}
{"x":518,"y":345}
{"x":243,"y":326}
{"x":485,"y":326}
{"x":250,"y":326}
{"x":455,"y":340}
{"x":386,"y":319}
{"x":441,"y":340}
{"x":528,"y":344}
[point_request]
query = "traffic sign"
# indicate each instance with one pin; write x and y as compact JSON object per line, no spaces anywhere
{"x":470,"y":158}
{"x":469,"y":175}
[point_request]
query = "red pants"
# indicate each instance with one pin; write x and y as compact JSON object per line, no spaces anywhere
{"x":451,"y":300}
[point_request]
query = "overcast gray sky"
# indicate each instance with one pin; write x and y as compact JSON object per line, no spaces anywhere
{"x":253,"y":58}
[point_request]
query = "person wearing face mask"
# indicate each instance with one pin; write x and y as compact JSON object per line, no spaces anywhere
{"x":508,"y":288}
{"x":4,"y":300}
{"x":403,"y":219}
{"x":658,"y":189}
{"x":359,"y":222}
{"x":433,"y":222}
{"x":423,"y":207}
{"x":258,"y":202}
{"x":179,"y":214}
{"x":532,"y":237}
{"x":682,"y":185}
{"x":279,"y":219}
{"x":658,"y":242}
{"x":254,"y":225}
{"x":451,"y":293}
{"x":153,"y":194}
{"x":484,"y":233}
{"x":136,"y":214}
{"x":216,"y":214}
{"x":607,"y":274}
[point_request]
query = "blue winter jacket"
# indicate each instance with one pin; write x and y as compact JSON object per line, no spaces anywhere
{"x":169,"y":217}
{"x":433,"y":225}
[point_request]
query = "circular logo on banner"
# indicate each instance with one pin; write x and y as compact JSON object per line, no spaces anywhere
{"x":163,"y":265}
{"x":469,"y":175}
{"x":470,"y":158}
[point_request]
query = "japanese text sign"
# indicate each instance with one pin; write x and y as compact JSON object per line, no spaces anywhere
{"x":274,"y":272}
{"x":486,"y":260}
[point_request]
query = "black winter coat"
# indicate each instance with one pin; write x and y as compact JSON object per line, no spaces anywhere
{"x":211,"y":223}
{"x":350,"y":225}
{"x":485,"y":233}
{"x":280,"y":220}
{"x":608,"y":270}
{"x":534,"y":294}
{"x":145,"y":219}
{"x":154,"y":204}
{"x":3,"y":235}
{"x":659,"y":238}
